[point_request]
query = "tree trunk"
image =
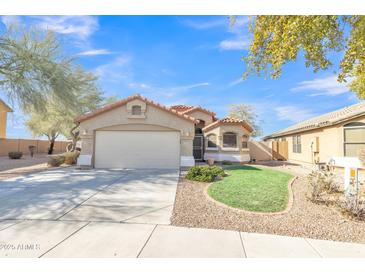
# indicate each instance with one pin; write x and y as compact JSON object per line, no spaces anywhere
{"x":75,"y":135}
{"x":51,"y":146}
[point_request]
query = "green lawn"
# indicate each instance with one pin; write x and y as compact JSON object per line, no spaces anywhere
{"x":252,"y":188}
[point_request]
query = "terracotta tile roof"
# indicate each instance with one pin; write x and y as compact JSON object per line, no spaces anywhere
{"x":199,"y":108}
{"x":120,"y":103}
{"x":181,"y":108}
{"x":8,"y":109}
{"x":229,"y":121}
{"x":325,"y":120}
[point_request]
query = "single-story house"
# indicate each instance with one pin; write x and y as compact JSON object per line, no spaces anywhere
{"x":4,"y":109}
{"x":339,"y":134}
{"x":139,"y":133}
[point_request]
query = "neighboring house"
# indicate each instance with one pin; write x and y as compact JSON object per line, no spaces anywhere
{"x":139,"y":133}
{"x":4,"y":109}
{"x":339,"y":134}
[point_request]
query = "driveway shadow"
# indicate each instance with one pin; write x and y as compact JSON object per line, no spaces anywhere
{"x":52,"y":194}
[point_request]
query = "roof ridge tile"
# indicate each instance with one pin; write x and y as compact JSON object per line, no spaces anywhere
{"x":125,"y":101}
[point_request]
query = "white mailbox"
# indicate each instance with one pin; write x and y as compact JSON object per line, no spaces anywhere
{"x":348,"y":163}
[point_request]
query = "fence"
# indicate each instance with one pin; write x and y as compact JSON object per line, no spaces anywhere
{"x":280,"y":150}
{"x":7,"y":145}
{"x":260,"y":150}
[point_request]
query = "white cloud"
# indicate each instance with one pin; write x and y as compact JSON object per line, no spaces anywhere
{"x":238,"y":43}
{"x":235,"y":82}
{"x":7,"y":20}
{"x":178,"y":90}
{"x":94,"y":52}
{"x":206,"y":24}
{"x":292,"y":113}
{"x":139,"y":85}
{"x":185,"y":87}
{"x":114,"y":70}
{"x":220,"y":22}
{"x":239,"y":24}
{"x":82,"y":26}
{"x":240,"y":39}
{"x":166,"y":91}
{"x":322,"y":86}
{"x":79,"y":26}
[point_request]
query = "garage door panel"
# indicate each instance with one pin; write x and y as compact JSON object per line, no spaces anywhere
{"x":137,"y":149}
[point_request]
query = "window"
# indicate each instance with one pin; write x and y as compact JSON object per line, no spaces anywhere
{"x":136,"y":110}
{"x":297,"y":144}
{"x":244,"y":141}
{"x":354,"y":138}
{"x":230,"y":140}
{"x":212,"y":140}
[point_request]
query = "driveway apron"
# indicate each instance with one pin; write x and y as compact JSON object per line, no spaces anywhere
{"x":90,"y":195}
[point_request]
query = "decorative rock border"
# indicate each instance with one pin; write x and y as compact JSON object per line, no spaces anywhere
{"x":286,"y":210}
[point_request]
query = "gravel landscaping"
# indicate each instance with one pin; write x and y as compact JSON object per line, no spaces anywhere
{"x":16,"y":167}
{"x":6,"y":163}
{"x":305,"y":219}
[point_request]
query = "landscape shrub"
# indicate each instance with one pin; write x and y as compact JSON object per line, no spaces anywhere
{"x":15,"y":154}
{"x":205,"y":173}
{"x":225,"y":162}
{"x":362,"y":156}
{"x":323,"y":181}
{"x":56,"y":160}
{"x":354,"y":206}
{"x":217,"y":171}
{"x":71,"y":157}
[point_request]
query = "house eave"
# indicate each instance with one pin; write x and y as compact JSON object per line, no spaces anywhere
{"x":123,"y":102}
{"x":312,"y":127}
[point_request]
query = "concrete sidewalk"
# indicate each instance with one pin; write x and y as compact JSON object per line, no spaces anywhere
{"x":43,"y":238}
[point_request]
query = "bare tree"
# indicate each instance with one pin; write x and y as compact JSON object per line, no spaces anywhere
{"x":247,"y":113}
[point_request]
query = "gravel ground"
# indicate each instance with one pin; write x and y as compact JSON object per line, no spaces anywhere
{"x":16,"y":167}
{"x":305,"y":219}
{"x":25,"y":161}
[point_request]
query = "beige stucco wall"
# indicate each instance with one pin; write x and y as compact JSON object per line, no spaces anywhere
{"x":330,"y":143}
{"x":153,"y":119}
{"x":3,"y":118}
{"x":260,"y":150}
{"x":208,"y":119}
{"x":219,"y":131}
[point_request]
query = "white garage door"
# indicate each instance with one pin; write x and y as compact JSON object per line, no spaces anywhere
{"x":137,"y":149}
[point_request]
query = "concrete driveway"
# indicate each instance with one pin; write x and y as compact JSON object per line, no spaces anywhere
{"x":140,"y":196}
{"x":109,"y":213}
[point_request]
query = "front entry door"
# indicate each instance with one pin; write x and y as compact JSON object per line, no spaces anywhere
{"x":198,"y":147}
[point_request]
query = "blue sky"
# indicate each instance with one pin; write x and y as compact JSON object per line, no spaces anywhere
{"x":195,"y":60}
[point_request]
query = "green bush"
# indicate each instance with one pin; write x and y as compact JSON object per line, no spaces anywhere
{"x":217,"y":171}
{"x":56,"y":160}
{"x":15,"y":154}
{"x":225,"y":162}
{"x":71,"y":157}
{"x":204,"y":173}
